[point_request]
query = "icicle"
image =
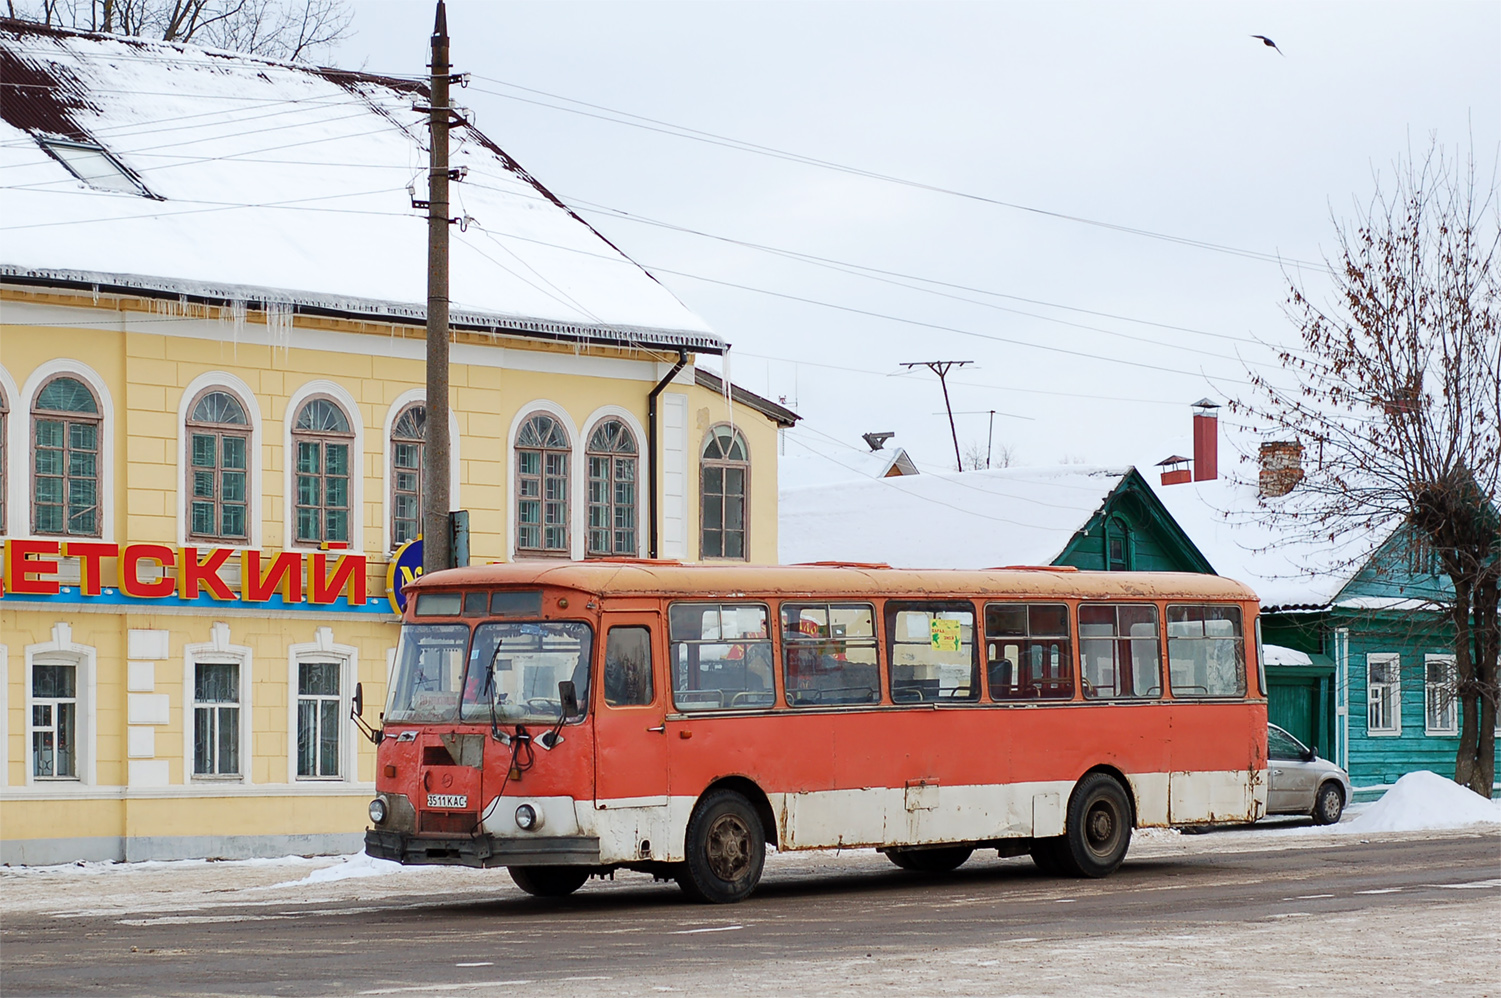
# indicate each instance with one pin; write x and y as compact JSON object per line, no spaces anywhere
{"x":279,"y":326}
{"x":96,"y":294}
{"x":234,"y":314}
{"x":729,"y":401}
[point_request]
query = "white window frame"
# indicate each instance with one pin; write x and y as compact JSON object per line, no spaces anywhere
{"x":577,"y":476}
{"x":255,"y":483}
{"x":1394,"y":694}
{"x":1431,"y":690}
{"x":19,"y":517}
{"x":217,"y":651}
{"x":323,"y":649}
{"x":61,"y":650}
{"x":357,"y":466}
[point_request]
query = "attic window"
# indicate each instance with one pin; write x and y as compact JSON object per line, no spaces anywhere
{"x":93,"y":164}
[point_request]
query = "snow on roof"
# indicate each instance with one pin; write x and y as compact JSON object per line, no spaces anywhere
{"x":276,"y":182}
{"x":1286,"y":570}
{"x":1278,"y":655}
{"x":977,"y":519}
{"x":809,"y":462}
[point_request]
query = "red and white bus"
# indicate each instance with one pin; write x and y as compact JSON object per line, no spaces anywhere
{"x":568,"y":719}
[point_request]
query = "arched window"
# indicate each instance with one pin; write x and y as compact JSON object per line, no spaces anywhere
{"x":407,"y":436}
{"x":218,"y":468}
{"x":542,"y":452}
{"x":724,"y":474}
{"x":322,"y":439}
{"x":612,"y":490}
{"x":65,"y":441}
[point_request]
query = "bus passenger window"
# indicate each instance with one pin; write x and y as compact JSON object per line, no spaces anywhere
{"x":1027,"y":652}
{"x":628,"y":667}
{"x":931,"y":650}
{"x":1206,"y":652}
{"x":720,"y":656}
{"x":1119,"y":650}
{"x":829,"y":653}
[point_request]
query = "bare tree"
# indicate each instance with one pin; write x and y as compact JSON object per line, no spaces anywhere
{"x":277,"y":29}
{"x":1399,"y":396}
{"x":977,"y":457}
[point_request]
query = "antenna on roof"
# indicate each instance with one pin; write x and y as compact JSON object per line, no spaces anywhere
{"x":877,"y":440}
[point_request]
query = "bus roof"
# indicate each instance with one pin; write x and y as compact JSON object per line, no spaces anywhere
{"x":669,"y":578}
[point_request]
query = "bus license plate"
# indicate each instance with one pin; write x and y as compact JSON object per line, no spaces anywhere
{"x":447,"y":800}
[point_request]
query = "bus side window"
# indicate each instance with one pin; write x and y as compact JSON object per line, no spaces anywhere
{"x":720,"y":656}
{"x":931,"y":652}
{"x":1027,"y":651}
{"x":1119,"y":648}
{"x":829,"y":653}
{"x":628,"y":681}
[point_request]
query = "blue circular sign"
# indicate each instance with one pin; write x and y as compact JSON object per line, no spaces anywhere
{"x":405,"y":567}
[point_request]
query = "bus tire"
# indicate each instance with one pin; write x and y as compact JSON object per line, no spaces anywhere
{"x":941,"y":860}
{"x":549,"y":881}
{"x":726,"y":850}
{"x":1099,"y":827}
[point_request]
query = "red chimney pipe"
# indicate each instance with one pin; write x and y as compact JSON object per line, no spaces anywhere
{"x":1206,"y":441}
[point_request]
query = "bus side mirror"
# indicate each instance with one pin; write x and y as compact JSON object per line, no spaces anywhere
{"x":568,"y":698}
{"x":357,"y":715}
{"x":358,"y":705}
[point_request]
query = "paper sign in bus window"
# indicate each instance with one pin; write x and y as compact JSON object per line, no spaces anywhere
{"x":944,"y":635}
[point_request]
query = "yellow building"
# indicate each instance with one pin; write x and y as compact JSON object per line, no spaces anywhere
{"x":211,"y":412}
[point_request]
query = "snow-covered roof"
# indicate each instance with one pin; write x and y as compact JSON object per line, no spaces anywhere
{"x":1287,"y":570}
{"x":802,"y":467}
{"x":977,"y":519}
{"x":244,"y":180}
{"x":1278,"y":655}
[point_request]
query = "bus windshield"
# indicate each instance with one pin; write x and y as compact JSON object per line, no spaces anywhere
{"x":515,"y":669}
{"x":429,"y":671}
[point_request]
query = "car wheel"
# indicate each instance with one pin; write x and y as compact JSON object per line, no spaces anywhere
{"x":549,"y":881}
{"x":1099,"y":827}
{"x":940,"y":860}
{"x":1329,"y":804}
{"x":726,"y":848}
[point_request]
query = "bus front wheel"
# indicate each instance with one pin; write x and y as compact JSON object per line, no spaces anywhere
{"x":726,"y":850}
{"x":1099,"y":827}
{"x":549,"y":881}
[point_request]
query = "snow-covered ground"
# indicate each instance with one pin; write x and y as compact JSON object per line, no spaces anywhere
{"x":1420,"y":805}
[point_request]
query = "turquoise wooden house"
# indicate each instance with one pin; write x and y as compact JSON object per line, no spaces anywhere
{"x":1360,"y":662}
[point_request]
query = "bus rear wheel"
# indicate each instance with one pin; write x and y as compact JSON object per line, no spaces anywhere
{"x":549,"y":881}
{"x":940,"y":860}
{"x":726,"y":850}
{"x":1099,"y":827}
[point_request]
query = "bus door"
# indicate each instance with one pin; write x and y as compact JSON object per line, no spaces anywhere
{"x":630,"y":755}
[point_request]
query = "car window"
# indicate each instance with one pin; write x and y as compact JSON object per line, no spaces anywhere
{"x":1281,"y":745}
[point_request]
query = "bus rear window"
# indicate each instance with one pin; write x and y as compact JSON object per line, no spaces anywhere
{"x":721,"y":656}
{"x":1206,"y":653}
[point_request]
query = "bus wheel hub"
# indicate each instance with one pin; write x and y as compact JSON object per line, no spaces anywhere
{"x":729,"y":848}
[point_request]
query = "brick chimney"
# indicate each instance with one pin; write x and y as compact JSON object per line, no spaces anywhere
{"x":1206,"y":441}
{"x":1175,"y":470}
{"x":1281,"y":467}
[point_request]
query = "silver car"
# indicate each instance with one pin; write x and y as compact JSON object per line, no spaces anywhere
{"x":1299,"y":782}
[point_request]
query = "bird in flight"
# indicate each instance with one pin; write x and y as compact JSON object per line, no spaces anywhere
{"x":1270,"y":44}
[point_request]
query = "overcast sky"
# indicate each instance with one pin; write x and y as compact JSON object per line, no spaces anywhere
{"x":1161,"y":117}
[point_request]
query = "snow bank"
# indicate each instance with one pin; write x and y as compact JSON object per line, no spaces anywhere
{"x":1424,"y":800}
{"x":350,"y":867}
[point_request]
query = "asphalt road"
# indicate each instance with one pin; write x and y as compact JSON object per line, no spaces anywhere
{"x":857,"y":913}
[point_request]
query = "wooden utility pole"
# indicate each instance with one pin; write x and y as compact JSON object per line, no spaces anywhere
{"x":941,"y":368}
{"x":435,"y":452}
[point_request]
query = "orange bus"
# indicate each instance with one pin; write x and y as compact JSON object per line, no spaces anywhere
{"x":568,"y":719}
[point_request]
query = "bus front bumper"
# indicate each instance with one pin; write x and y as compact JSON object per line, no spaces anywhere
{"x":482,"y":850}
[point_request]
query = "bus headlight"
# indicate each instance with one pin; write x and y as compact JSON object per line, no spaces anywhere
{"x":378,"y":810}
{"x":528,"y":818}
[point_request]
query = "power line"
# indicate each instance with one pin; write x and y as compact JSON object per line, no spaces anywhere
{"x":682,"y":131}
